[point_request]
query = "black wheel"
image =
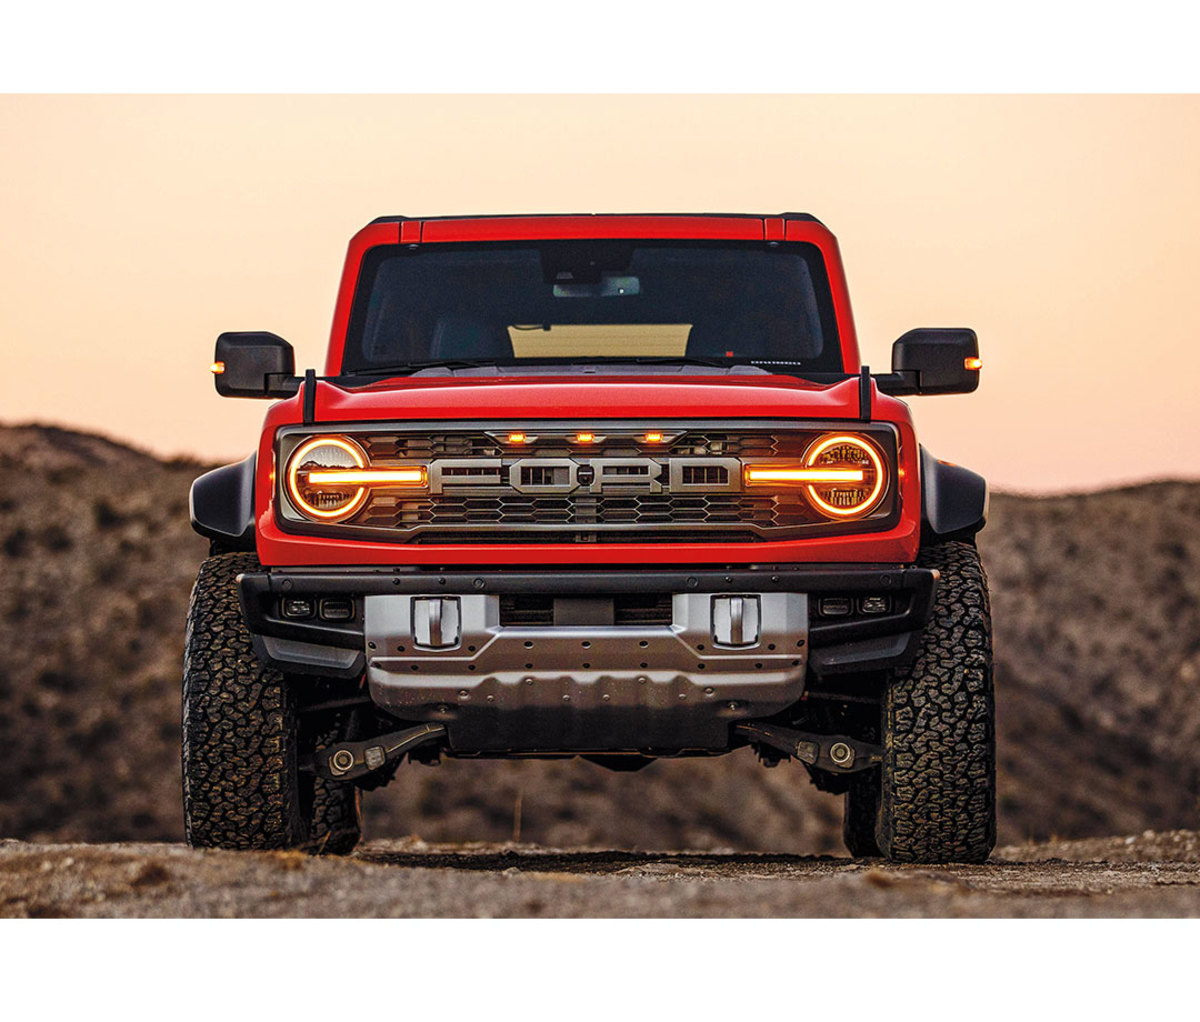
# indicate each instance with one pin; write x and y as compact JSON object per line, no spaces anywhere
{"x":934,"y":797}
{"x":241,"y":740}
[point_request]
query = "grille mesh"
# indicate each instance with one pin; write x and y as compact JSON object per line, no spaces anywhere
{"x":662,"y":509}
{"x":383,"y":447}
{"x":484,"y":503}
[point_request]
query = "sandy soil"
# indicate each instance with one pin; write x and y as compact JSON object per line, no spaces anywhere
{"x":1154,"y":874}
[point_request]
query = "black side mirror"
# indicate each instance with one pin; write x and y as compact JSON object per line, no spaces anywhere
{"x":934,"y":361}
{"x":254,"y":364}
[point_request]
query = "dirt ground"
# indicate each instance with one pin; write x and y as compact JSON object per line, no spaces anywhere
{"x":1154,"y":874}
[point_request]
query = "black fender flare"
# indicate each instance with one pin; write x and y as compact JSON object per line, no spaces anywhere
{"x":221,"y":505}
{"x":954,"y":500}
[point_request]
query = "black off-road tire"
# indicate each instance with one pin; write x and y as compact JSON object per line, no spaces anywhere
{"x":241,"y":785}
{"x":860,"y":817}
{"x":335,"y":820}
{"x":934,"y":797}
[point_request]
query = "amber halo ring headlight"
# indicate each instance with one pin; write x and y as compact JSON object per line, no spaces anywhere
{"x":847,"y":498}
{"x":326,"y":500}
{"x":843,"y":475}
{"x":328,"y":478}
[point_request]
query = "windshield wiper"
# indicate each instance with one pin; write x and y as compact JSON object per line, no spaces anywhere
{"x":413,"y":367}
{"x":725,"y":362}
{"x":692,"y":360}
{"x":477,"y":363}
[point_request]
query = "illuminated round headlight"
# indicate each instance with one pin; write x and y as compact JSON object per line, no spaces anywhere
{"x":847,"y":499}
{"x":323,"y":499}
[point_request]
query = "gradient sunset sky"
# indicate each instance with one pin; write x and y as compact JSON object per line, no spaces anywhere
{"x":1064,"y":229}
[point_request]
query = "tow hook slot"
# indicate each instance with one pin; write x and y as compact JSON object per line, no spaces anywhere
{"x":436,"y":622}
{"x":735,"y":620}
{"x":349,"y":760}
{"x":835,"y":753}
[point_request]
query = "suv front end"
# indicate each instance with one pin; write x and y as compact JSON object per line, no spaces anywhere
{"x":615,"y":487}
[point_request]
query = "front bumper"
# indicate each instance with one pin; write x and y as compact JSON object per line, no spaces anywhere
{"x":436,"y":646}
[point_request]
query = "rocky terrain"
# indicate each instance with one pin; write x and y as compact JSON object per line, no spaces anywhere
{"x":1096,"y":601}
{"x":1149,"y":875}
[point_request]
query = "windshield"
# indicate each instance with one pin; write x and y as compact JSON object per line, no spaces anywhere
{"x":588,"y":301}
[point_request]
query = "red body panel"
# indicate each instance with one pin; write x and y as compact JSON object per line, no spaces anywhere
{"x":816,"y":234}
{"x":367,"y":238}
{"x":650,"y":399}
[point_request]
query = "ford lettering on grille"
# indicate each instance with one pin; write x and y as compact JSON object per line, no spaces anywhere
{"x":588,"y":475}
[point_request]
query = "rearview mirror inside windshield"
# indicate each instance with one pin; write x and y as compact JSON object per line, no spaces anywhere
{"x":610,"y":285}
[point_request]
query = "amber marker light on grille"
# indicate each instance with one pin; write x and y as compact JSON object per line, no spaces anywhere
{"x":585,"y":438}
{"x":517,"y":438}
{"x":652,"y":438}
{"x":974,"y":363}
{"x":217,"y":368}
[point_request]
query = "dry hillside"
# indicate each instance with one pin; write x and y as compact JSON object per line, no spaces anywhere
{"x":1096,"y":601}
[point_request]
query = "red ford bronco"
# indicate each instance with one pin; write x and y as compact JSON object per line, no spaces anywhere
{"x":605,"y":486}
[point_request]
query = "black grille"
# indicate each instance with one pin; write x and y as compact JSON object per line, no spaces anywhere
{"x":643,"y":609}
{"x":526,"y":610}
{"x":479,"y":444}
{"x":705,"y":475}
{"x":540,"y":475}
{"x":685,"y":487}
{"x":628,"y":609}
{"x":742,"y":445}
{"x":426,"y":446}
{"x":661,"y":509}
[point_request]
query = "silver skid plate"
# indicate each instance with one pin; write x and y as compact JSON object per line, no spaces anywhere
{"x":586,"y":688}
